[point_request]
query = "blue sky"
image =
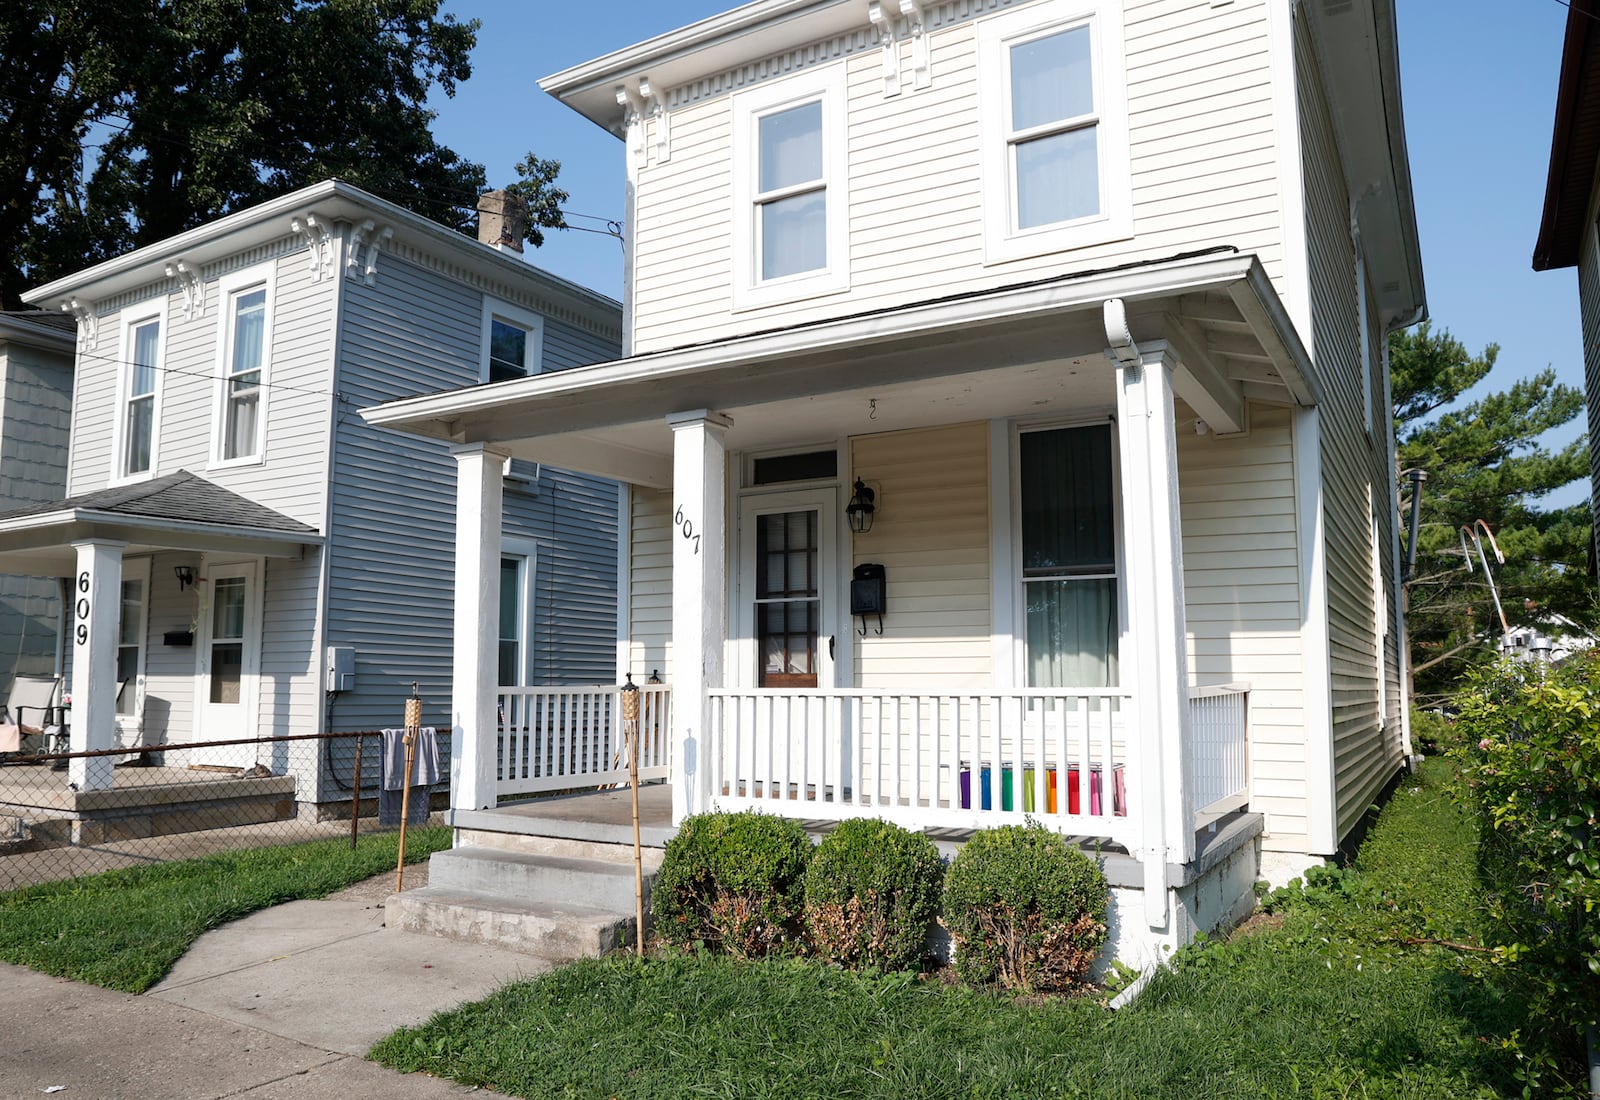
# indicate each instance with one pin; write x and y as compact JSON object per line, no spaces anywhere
{"x":1479,"y":85}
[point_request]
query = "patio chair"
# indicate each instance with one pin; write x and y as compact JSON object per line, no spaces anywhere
{"x":33,"y":709}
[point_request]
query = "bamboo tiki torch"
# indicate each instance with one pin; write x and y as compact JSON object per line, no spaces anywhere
{"x":630,"y":733}
{"x":413,"y":731}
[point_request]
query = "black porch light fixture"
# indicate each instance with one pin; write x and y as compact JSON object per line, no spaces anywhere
{"x":863,"y":503}
{"x":185,"y":575}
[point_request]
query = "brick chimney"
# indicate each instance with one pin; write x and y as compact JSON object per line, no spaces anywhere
{"x":502,"y":220}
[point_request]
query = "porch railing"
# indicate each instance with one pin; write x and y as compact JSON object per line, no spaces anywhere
{"x":563,"y":738}
{"x":1219,"y":774}
{"x":957,"y":760}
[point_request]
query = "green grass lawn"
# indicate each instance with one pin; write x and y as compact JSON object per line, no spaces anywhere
{"x":124,"y":929}
{"x":1365,"y":984}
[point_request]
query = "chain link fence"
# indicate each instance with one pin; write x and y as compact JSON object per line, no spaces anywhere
{"x":65,"y":814}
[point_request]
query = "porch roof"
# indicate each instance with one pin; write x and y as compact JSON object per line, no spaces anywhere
{"x":1034,"y":348}
{"x":179,"y":511}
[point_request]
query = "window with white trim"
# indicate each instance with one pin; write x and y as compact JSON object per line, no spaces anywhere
{"x":1054,"y":128}
{"x":515,"y":637}
{"x":139,"y":390}
{"x":513,"y":342}
{"x":1068,"y":547}
{"x":244,"y":355}
{"x":789,"y":194}
{"x":131,"y":625}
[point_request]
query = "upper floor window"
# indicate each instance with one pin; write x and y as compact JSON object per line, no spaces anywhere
{"x":789,"y":217}
{"x":512,"y":342}
{"x":1054,"y":129}
{"x":245,"y":365}
{"x":136,"y":426}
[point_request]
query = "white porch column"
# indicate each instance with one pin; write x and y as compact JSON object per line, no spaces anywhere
{"x":1153,"y":550}
{"x":480,"y":473}
{"x":699,"y":611}
{"x":96,"y":611}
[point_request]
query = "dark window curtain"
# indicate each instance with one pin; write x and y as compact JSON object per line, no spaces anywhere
{"x":1068,"y":547}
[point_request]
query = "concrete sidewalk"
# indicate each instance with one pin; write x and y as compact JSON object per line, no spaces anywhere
{"x":282,"y":1004}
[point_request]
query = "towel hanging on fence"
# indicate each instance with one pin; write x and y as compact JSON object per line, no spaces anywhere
{"x":424,"y":771}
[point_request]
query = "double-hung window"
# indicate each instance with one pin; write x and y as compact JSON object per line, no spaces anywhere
{"x":789,"y":193}
{"x":1054,"y":128}
{"x":517,"y":571}
{"x":513,"y":340}
{"x":244,"y":357}
{"x":136,"y":427}
{"x":1069,"y":557}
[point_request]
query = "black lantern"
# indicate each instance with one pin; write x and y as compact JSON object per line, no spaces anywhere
{"x":861,"y":507}
{"x":185,"y":575}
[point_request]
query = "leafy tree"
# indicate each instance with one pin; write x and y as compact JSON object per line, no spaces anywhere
{"x":1486,"y":459}
{"x":123,"y":122}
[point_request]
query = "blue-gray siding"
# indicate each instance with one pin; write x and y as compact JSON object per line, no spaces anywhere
{"x":391,"y":547}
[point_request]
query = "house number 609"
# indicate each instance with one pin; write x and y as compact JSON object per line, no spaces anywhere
{"x":81,"y":609}
{"x":686,"y":528}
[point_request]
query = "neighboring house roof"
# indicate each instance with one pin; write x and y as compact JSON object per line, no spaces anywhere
{"x":309,"y":212}
{"x":40,"y":328}
{"x":179,"y":510}
{"x":1574,"y":144}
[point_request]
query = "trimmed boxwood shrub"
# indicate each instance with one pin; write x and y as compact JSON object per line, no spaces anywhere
{"x":733,"y":882}
{"x":871,"y":891}
{"x":1025,"y":909}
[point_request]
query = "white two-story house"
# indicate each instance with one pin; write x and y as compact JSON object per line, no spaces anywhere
{"x":248,"y":557}
{"x":1004,"y":424}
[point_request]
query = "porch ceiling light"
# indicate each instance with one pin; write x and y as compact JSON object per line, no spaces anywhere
{"x":185,"y":575}
{"x":861,"y":508}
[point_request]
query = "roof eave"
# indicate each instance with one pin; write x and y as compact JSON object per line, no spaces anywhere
{"x":267,"y":221}
{"x":1554,"y":247}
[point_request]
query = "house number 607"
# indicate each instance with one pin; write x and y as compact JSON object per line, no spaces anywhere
{"x":686,"y":528}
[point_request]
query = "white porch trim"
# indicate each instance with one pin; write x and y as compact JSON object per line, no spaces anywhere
{"x":97,"y":605}
{"x":699,"y":602}
{"x":1153,"y":551}
{"x":480,"y":475}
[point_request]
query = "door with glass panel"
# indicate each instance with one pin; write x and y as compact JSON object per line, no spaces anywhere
{"x":229,"y":643}
{"x":787,"y":589}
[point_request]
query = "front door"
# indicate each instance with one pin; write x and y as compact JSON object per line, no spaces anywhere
{"x":229,"y":645}
{"x":787,"y":583}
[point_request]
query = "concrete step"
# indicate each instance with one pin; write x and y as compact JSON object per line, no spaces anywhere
{"x":529,"y":877}
{"x":548,"y":930}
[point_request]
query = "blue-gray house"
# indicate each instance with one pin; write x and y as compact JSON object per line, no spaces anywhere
{"x":248,"y":556}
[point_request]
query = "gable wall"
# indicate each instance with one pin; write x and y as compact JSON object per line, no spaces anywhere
{"x":1589,"y":306}
{"x":1366,"y":746}
{"x":1202,"y":153}
{"x":392,"y":540}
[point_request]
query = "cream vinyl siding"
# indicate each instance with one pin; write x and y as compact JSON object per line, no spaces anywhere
{"x":932,"y":537}
{"x":650,"y":583}
{"x":1366,"y":752}
{"x":1203,"y":164}
{"x":1242,"y":601}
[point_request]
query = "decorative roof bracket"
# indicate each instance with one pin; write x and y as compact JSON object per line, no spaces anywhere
{"x":194,"y":293}
{"x":632,"y":119}
{"x":655,"y":109}
{"x":319,"y":242}
{"x":359,"y":241}
{"x":921,"y":69}
{"x":883,"y":23}
{"x":88,"y":321}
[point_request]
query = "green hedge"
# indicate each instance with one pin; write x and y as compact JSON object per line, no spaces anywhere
{"x":870,"y":893}
{"x":1025,"y":909}
{"x":733,"y":882}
